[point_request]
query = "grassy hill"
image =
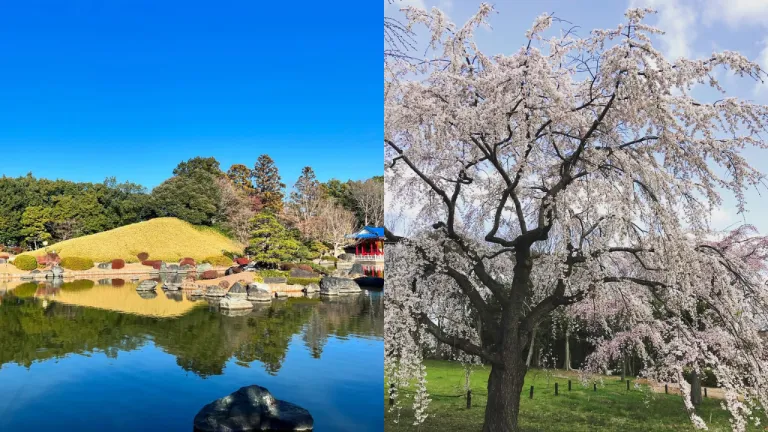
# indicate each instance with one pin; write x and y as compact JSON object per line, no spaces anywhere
{"x":167,"y":239}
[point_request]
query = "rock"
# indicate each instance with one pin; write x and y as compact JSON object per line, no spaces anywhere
{"x":27,"y":277}
{"x":235,"y":303}
{"x":299,"y":273}
{"x":235,"y":312}
{"x":215,"y":291}
{"x":252,"y":408}
{"x":147,"y":295}
{"x":259,"y":292}
{"x":146,"y":285}
{"x":105,"y":282}
{"x":237,"y":291}
{"x":173,"y":283}
{"x":173,"y":268}
{"x":48,"y":274}
{"x":312,"y":288}
{"x":35,"y":271}
{"x":347,"y":257}
{"x":105,"y":266}
{"x":163,"y":267}
{"x":58,"y":272}
{"x":341,"y":273}
{"x":197,"y":292}
{"x":335,"y":286}
{"x":204,"y":267}
{"x":185,"y":267}
{"x":229,"y":271}
{"x":275,"y":280}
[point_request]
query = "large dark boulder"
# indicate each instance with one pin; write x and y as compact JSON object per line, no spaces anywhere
{"x":301,"y":273}
{"x":252,"y":408}
{"x":237,"y":290}
{"x":334,"y":286}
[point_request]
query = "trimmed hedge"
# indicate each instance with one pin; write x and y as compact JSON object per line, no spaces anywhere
{"x":302,"y":281}
{"x":117,"y":264}
{"x":242,"y":261}
{"x":142,"y":256}
{"x":155,"y":264}
{"x":25,"y":262}
{"x":118,"y":282}
{"x":187,"y":261}
{"x":76,"y":263}
{"x":272,"y":273}
{"x":219,"y":261}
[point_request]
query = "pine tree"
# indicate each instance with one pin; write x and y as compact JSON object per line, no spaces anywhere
{"x":268,"y":185}
{"x":306,"y":197}
{"x":271,"y":243}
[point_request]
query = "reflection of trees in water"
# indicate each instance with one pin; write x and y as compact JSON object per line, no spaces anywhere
{"x":202,"y":340}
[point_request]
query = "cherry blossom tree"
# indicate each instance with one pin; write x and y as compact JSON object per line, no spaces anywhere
{"x":580,"y":173}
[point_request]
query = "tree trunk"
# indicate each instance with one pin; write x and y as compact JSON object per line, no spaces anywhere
{"x":623,"y":367}
{"x":695,"y":389}
{"x":530,"y":348}
{"x":504,"y":387}
{"x":567,"y":350}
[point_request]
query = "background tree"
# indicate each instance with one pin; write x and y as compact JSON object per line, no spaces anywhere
{"x":35,"y":221}
{"x":305,"y":199}
{"x":332,"y":224}
{"x":234,"y":209}
{"x":240,"y":175}
{"x":596,"y":145}
{"x":268,"y":185}
{"x":368,"y":199}
{"x":193,"y":197}
{"x":207,"y":164}
{"x":271,"y":243}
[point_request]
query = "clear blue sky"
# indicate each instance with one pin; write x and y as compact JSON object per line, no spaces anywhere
{"x":90,"y":89}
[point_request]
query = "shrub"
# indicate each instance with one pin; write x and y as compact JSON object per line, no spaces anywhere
{"x":42,"y":260}
{"x":305,"y":267}
{"x":209,"y":274}
{"x":329,"y":258}
{"x":218,"y":261}
{"x":155,"y":264}
{"x":187,"y":261}
{"x":224,"y":284}
{"x":285,"y":266}
{"x":53,"y":257}
{"x":76,"y":263}
{"x":257,"y":278}
{"x":242,"y":261}
{"x":272,"y":273}
{"x":142,"y":256}
{"x":117,"y":264}
{"x":302,"y":281}
{"x":25,"y":262}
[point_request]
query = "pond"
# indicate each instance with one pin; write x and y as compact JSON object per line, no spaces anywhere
{"x":94,"y":356}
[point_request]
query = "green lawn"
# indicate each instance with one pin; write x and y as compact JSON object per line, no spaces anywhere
{"x":611,"y":408}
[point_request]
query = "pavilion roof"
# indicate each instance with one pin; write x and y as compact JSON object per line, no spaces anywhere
{"x":368,"y":232}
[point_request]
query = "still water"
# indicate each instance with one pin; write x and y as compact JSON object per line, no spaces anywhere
{"x":96,"y":356}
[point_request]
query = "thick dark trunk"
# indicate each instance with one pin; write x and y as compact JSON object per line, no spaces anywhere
{"x":695,"y":389}
{"x":504,"y":387}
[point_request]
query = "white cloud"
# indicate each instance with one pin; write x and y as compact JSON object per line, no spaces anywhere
{"x":399,"y":4}
{"x":736,"y":13}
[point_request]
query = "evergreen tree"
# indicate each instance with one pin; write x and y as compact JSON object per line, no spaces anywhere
{"x":209,"y":165}
{"x":268,"y":185}
{"x":271,"y":243}
{"x":240,"y":176}
{"x":306,"y":197}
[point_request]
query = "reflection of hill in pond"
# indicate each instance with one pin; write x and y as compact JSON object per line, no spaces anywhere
{"x":202,"y":340}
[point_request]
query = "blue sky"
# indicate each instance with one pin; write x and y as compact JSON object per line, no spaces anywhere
{"x":694,"y":29}
{"x":90,"y":89}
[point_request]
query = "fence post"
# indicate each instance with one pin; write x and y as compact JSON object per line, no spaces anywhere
{"x":569,"y":385}
{"x":705,"y":392}
{"x":594,"y":386}
{"x":627,"y":385}
{"x":556,"y":393}
{"x":469,"y":398}
{"x":531,"y":395}
{"x":666,"y":389}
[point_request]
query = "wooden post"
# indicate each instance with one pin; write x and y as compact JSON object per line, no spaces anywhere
{"x":531,"y":395}
{"x":556,"y":389}
{"x":666,"y":389}
{"x":705,"y":392}
{"x":594,"y":386}
{"x":569,"y":385}
{"x":391,"y":399}
{"x":469,"y":398}
{"x":627,"y":385}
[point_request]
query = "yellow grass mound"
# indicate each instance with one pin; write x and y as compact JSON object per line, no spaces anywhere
{"x":167,"y":239}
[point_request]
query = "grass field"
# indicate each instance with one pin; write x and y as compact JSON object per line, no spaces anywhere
{"x":611,"y":408}
{"x":167,"y":239}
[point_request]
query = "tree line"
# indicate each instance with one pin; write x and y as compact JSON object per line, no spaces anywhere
{"x":246,"y":203}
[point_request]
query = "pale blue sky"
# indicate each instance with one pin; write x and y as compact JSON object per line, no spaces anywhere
{"x":694,"y":28}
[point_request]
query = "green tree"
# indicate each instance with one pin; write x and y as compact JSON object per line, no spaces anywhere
{"x":209,"y":165}
{"x":240,"y":176}
{"x":268,"y":185}
{"x":35,"y":221}
{"x":271,"y":243}
{"x":306,"y":196}
{"x":193,"y":197}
